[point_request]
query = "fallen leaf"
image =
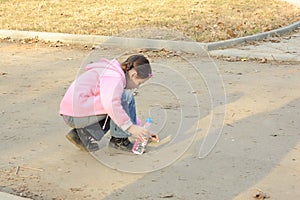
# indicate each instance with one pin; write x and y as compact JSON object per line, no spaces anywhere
{"x":229,"y":125}
{"x":265,"y":29}
{"x":275,"y":40}
{"x":231,"y":33}
{"x":76,"y":189}
{"x":165,"y":196}
{"x":220,"y":24}
{"x":264,"y":60}
{"x":261,"y":195}
{"x":198,"y":26}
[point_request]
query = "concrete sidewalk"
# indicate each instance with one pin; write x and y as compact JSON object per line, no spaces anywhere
{"x":6,"y":196}
{"x":294,"y":2}
{"x":284,"y":48}
{"x":259,"y":147}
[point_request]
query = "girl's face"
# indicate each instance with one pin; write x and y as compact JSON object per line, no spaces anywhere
{"x":132,"y":81}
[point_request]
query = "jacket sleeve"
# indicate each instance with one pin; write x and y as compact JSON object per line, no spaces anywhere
{"x":111,"y":90}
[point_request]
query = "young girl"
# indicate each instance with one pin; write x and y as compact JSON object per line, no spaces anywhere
{"x":100,"y":99}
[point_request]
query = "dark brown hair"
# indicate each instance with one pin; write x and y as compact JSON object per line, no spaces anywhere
{"x":140,"y":64}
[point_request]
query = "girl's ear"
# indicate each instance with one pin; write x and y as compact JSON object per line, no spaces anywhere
{"x":132,"y":74}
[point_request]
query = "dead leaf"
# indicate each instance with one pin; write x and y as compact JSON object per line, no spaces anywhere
{"x":165,"y":196}
{"x":229,"y":125}
{"x":220,"y":24}
{"x":231,"y":33}
{"x":261,"y":195}
{"x":264,"y":60}
{"x":265,"y":29}
{"x":76,"y":189}
{"x":198,"y":26}
{"x":274,"y":40}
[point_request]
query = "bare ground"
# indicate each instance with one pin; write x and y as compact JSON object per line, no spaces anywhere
{"x":256,"y":157}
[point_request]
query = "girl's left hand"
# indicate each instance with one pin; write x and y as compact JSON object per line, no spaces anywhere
{"x":139,"y":132}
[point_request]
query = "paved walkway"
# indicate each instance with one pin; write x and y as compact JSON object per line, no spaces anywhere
{"x":6,"y":196}
{"x":294,"y":2}
{"x":286,"y":48}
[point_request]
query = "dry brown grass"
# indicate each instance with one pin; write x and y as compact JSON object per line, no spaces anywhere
{"x":201,"y":20}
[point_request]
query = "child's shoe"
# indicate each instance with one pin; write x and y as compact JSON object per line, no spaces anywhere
{"x":73,"y":137}
{"x":82,"y":140}
{"x":121,"y":143}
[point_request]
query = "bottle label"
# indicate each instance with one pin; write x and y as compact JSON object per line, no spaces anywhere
{"x":139,"y":146}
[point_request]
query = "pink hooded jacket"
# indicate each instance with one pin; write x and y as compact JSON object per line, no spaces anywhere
{"x":98,"y":91}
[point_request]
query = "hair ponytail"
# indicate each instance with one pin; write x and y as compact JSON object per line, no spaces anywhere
{"x":140,"y":64}
{"x":126,"y":66}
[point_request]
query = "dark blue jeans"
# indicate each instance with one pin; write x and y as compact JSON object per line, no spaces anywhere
{"x":128,"y":104}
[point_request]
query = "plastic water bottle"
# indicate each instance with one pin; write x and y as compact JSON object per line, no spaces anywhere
{"x":140,"y":146}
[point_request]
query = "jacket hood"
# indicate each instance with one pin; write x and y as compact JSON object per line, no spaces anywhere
{"x":110,"y":68}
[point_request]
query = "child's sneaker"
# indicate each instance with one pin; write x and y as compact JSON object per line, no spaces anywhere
{"x":121,"y":143}
{"x":73,"y":137}
{"x":85,"y":142}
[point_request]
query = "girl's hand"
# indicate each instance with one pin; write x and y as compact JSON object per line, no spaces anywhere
{"x":139,"y":132}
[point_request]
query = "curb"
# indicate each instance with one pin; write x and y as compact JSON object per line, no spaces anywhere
{"x":192,"y":47}
{"x":251,"y":38}
{"x":108,"y":40}
{"x":293,"y":2}
{"x":7,"y":196}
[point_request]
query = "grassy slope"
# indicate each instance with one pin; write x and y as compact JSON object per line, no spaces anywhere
{"x":202,"y":20}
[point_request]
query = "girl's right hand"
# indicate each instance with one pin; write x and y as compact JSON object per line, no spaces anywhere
{"x":139,"y":132}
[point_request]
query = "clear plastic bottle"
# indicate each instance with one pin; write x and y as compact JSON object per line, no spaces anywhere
{"x":140,"y":146}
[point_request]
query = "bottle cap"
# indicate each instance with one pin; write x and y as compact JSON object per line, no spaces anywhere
{"x":149,"y":120}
